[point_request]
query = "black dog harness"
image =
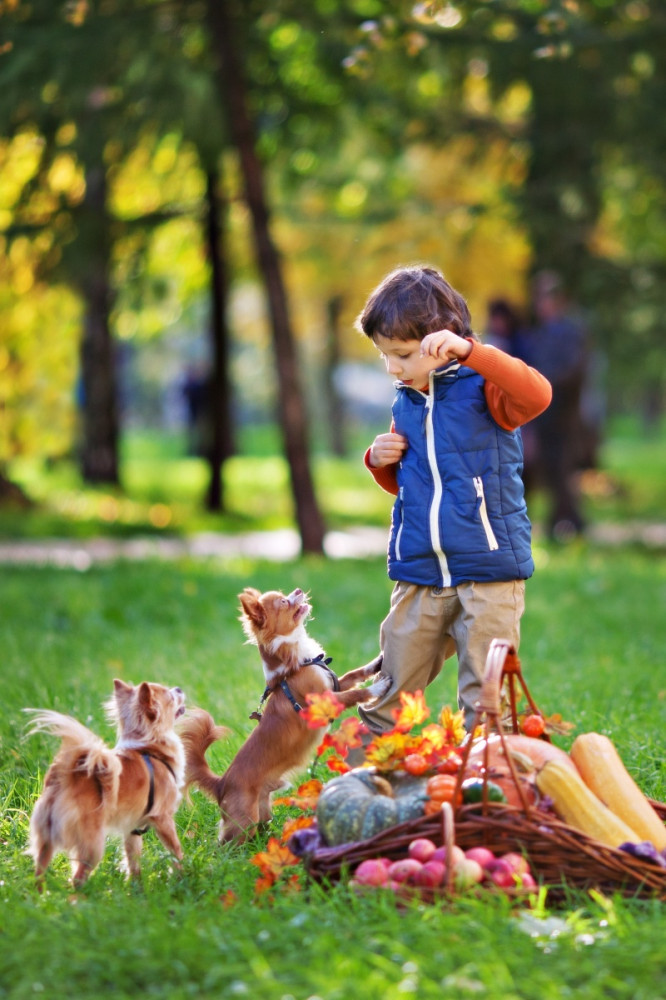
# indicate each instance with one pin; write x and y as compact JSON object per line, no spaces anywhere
{"x":318,"y":661}
{"x":151,"y":791}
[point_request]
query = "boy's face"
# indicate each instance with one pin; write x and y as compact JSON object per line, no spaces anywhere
{"x":403,"y":360}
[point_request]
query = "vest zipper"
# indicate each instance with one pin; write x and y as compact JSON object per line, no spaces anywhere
{"x":483,"y":514}
{"x":402,"y":521}
{"x":435,"y":537}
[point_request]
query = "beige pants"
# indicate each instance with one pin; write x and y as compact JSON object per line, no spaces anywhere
{"x":426,"y":625}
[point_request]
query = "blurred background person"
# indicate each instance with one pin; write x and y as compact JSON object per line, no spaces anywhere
{"x":557,"y":346}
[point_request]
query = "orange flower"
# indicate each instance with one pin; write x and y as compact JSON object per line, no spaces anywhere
{"x":305,"y":797}
{"x":321,"y":709}
{"x":228,"y":899}
{"x":412,"y":711}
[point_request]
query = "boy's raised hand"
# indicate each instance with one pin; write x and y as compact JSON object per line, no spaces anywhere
{"x":445,"y":344}
{"x":387,"y":449}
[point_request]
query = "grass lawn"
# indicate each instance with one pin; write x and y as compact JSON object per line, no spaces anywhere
{"x":163,"y":489}
{"x":593,"y":649}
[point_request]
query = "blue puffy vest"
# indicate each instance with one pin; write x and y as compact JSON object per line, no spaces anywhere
{"x":460,"y":513}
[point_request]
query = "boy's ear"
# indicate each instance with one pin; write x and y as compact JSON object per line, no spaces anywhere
{"x":252,"y":607}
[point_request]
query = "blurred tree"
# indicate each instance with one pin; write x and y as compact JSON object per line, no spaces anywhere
{"x":227,"y":42}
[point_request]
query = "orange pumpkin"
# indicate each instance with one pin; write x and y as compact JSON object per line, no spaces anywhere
{"x":442,"y":788}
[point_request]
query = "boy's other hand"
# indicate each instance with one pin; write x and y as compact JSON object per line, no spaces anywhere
{"x":387,"y":449}
{"x":445,"y":344}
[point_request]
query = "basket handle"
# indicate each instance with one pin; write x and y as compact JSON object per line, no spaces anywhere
{"x":448,"y":840}
{"x":501,"y":663}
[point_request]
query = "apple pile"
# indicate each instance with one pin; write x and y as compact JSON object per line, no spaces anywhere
{"x":425,"y":867}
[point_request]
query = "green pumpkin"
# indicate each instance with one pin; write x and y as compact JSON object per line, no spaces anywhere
{"x":362,"y":802}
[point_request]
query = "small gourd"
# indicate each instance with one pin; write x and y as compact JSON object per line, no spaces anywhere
{"x":602,"y":770}
{"x":578,"y":806}
{"x":362,"y":802}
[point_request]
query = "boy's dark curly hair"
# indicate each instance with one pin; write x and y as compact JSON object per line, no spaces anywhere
{"x":411,"y":302}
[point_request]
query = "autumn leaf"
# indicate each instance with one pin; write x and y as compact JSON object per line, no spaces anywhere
{"x":305,"y":797}
{"x":388,"y":750}
{"x":413,"y":710}
{"x":453,"y":724}
{"x":338,"y":765}
{"x":434,"y":736}
{"x":292,"y":825}
{"x":273,"y":861}
{"x":346,"y":737}
{"x":263,"y":884}
{"x":321,"y":709}
{"x":556,"y":724}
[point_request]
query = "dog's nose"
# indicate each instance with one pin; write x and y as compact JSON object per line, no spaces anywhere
{"x":178,"y":690}
{"x":298,"y":593}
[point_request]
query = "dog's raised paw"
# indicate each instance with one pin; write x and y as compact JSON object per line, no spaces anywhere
{"x":381,"y":686}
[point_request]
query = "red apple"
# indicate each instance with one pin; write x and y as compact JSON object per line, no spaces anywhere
{"x":371,"y":872}
{"x":467,"y":873}
{"x":432,"y":874}
{"x":483,"y":855}
{"x":405,"y":870}
{"x":457,"y":854}
{"x":422,"y":849}
{"x":502,"y":875}
{"x":527,"y":881}
{"x":518,"y":864}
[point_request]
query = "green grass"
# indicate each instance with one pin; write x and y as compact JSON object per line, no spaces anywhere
{"x":163,"y":489}
{"x":592,"y":649}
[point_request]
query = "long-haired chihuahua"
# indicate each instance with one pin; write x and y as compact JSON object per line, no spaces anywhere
{"x":282,"y":744}
{"x":91,"y":790}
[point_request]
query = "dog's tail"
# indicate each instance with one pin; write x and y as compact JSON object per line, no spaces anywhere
{"x":197,"y":732}
{"x":82,"y":752}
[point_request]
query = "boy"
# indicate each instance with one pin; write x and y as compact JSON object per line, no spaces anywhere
{"x":460,"y":542}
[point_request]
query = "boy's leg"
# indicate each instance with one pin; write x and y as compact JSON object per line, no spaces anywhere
{"x":414,"y":641}
{"x":488,"y":611}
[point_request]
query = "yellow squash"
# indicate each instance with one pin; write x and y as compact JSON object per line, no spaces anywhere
{"x":604,"y":773}
{"x":578,"y":806}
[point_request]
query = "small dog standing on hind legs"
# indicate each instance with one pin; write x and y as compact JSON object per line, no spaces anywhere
{"x":282,"y":744}
{"x":91,"y":790}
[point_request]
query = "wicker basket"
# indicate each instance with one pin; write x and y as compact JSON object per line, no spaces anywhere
{"x":559,"y":855}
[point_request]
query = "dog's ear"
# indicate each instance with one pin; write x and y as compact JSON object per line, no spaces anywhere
{"x":120,"y":687}
{"x":252,"y":607}
{"x":147,"y":702}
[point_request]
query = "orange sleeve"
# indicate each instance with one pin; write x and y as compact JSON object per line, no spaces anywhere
{"x":515,"y":393}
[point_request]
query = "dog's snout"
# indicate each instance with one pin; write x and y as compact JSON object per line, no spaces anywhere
{"x":178,"y":690}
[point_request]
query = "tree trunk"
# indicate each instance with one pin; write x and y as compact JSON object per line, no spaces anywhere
{"x":220,"y":398}
{"x":11,"y":495}
{"x":291,"y":404}
{"x":334,"y":407}
{"x":99,"y":412}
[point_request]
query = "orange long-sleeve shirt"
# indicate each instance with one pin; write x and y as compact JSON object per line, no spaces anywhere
{"x":515,"y":394}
